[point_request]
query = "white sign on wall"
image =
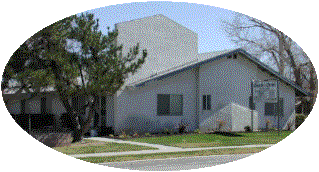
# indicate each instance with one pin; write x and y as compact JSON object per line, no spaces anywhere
{"x":267,"y":90}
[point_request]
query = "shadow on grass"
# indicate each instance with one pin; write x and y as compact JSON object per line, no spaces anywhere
{"x":228,"y":134}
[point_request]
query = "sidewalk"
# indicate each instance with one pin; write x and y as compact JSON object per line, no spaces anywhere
{"x":161,"y":148}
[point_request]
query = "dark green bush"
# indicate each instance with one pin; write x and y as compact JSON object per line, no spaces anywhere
{"x":300,"y":118}
{"x":182,"y":128}
{"x":247,"y":128}
{"x":66,"y":121}
{"x":38,"y":121}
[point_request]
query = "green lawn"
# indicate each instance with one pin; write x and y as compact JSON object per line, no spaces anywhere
{"x":172,"y":155}
{"x":215,"y":140}
{"x":91,"y":146}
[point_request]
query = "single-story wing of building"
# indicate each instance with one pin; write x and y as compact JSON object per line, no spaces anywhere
{"x":177,"y":85}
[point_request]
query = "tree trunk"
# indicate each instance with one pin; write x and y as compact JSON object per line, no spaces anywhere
{"x":92,"y":112}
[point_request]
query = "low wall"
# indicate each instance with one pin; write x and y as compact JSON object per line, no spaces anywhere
{"x":52,"y":138}
{"x":241,"y":117}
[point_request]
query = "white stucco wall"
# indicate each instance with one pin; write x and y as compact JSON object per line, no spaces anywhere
{"x":168,"y":43}
{"x":140,"y":105}
{"x":109,"y":111}
{"x":241,"y":117}
{"x":228,"y":80}
{"x":211,"y":121}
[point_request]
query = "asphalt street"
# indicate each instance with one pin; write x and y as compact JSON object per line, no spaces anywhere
{"x":176,"y":164}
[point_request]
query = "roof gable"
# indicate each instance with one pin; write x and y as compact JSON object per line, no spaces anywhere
{"x":213,"y":57}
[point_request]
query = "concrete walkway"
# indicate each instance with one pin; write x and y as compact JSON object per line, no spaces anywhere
{"x":161,"y":148}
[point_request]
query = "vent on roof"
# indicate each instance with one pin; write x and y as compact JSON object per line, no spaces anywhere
{"x":233,"y":56}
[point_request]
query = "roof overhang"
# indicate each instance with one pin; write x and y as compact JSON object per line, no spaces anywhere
{"x":196,"y":63}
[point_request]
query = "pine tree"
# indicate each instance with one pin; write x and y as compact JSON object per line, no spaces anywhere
{"x":76,"y":59}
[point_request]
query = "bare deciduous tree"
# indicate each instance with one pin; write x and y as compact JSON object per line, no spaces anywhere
{"x":275,"y":49}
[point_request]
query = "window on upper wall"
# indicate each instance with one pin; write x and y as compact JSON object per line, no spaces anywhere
{"x":169,"y":105}
{"x":207,"y":102}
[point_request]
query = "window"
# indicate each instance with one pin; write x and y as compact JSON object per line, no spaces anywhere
{"x":169,"y":105}
{"x":270,"y":108}
{"x":207,"y":99}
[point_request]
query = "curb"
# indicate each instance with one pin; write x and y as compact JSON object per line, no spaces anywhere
{"x":106,"y":163}
{"x":163,"y":151}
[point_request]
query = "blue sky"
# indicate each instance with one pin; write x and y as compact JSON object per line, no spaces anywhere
{"x":202,"y":19}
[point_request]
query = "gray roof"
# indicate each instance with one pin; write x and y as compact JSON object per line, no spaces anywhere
{"x":14,"y":90}
{"x":212,"y":56}
{"x":202,"y":59}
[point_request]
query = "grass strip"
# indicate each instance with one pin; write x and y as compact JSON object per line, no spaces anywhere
{"x":226,"y":151}
{"x":216,"y":140}
{"x":91,"y":146}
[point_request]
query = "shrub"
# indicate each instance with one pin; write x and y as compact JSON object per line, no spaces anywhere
{"x":198,"y":131}
{"x":66,"y":121}
{"x":166,"y":131}
{"x":123,"y":135}
{"x":221,"y":124}
{"x":247,"y":128}
{"x":273,"y":129}
{"x":300,"y":118}
{"x":182,"y":128}
{"x":135,"y":134}
{"x":111,"y":135}
{"x":147,"y":134}
{"x":289,"y":126}
{"x":268,"y":125}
